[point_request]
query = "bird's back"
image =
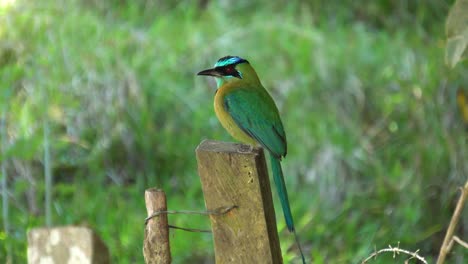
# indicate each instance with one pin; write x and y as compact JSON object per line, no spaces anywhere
{"x":250,"y":115}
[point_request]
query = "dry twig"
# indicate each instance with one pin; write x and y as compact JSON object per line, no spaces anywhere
{"x":461,"y":242}
{"x":449,"y":237}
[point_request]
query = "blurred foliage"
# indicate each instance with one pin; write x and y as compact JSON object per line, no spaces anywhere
{"x":457,"y":33}
{"x":377,"y":147}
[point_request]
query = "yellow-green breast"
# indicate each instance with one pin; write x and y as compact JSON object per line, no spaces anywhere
{"x":225,"y":118}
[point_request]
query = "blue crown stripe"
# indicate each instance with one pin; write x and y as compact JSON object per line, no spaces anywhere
{"x":229,"y":60}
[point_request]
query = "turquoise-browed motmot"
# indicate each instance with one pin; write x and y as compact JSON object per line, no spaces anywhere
{"x":249,"y":114}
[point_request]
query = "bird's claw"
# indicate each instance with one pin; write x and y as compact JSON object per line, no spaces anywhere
{"x":245,"y":148}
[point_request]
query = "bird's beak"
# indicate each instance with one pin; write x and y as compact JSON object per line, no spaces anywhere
{"x":210,"y":72}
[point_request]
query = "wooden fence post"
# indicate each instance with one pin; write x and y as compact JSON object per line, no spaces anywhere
{"x":156,"y":248}
{"x":66,"y":244}
{"x":230,"y":175}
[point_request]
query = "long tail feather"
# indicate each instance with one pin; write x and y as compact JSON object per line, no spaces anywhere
{"x":283,"y":195}
{"x":282,"y":192}
{"x":299,"y":246}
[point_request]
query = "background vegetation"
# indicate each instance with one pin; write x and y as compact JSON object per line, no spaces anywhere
{"x":377,"y":147}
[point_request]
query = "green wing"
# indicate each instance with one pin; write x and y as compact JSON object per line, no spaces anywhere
{"x":255,"y":112}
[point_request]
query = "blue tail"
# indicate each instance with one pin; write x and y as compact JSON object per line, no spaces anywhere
{"x":282,"y":192}
{"x":283,"y":195}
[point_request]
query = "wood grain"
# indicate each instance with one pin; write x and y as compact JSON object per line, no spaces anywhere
{"x":156,"y":247}
{"x":236,"y":174}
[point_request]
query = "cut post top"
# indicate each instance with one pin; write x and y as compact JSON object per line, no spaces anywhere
{"x":210,"y":145}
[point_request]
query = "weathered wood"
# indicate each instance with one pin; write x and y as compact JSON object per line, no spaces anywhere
{"x":233,"y":174}
{"x":156,"y":247}
{"x":69,"y":244}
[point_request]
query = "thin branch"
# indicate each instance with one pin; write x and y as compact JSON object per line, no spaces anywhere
{"x":48,"y":174}
{"x":461,"y":242}
{"x":447,"y":244}
{"x":3,"y":171}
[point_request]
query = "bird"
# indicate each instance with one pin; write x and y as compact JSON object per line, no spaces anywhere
{"x":249,"y":114}
{"x":462,"y":101}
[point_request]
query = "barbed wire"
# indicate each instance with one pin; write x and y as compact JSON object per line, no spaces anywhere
{"x":395,"y":250}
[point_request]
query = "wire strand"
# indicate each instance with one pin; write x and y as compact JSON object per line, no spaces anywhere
{"x":218,"y":211}
{"x":190,"y":229}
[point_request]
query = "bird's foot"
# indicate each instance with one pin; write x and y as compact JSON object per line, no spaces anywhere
{"x":245,"y":148}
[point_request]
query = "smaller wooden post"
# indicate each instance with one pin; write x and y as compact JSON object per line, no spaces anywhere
{"x":156,"y":248}
{"x":67,"y":244}
{"x":231,"y":174}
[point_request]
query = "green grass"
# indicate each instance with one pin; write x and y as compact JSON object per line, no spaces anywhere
{"x":376,"y":145}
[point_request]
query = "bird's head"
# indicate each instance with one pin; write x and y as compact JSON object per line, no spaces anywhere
{"x":231,"y":69}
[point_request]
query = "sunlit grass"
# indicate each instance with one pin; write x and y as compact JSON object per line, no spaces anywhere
{"x":5,"y":6}
{"x":7,"y":3}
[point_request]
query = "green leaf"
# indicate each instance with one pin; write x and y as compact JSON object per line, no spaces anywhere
{"x":25,"y":148}
{"x":457,"y":33}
